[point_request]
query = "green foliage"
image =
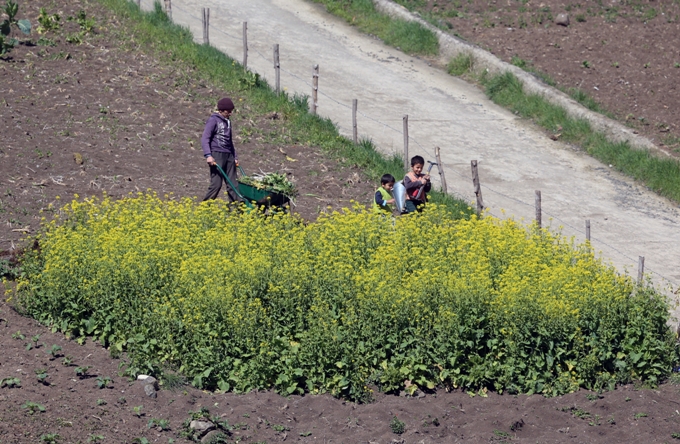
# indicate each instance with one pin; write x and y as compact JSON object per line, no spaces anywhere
{"x":410,"y":37}
{"x":50,"y":438}
{"x":11,"y":9}
{"x":103,"y":382}
{"x":55,"y":351}
{"x":460,"y":65}
{"x":271,"y":181}
{"x":659,"y":174}
{"x":163,"y":424}
{"x":47,"y":22}
{"x":82,"y":371}
{"x":397,"y":426}
{"x":33,"y":407}
{"x":306,"y":307}
{"x":41,"y":374}
{"x":138,"y":411}
{"x":10,"y":382}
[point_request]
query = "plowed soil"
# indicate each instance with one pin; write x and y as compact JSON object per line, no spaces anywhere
{"x":105,"y":116}
{"x":623,"y":53}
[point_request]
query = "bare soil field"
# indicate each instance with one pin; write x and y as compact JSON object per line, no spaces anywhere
{"x":623,"y":53}
{"x":105,"y":116}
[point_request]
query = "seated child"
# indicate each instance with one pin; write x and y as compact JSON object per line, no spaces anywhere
{"x":417,"y":185}
{"x":383,"y":196}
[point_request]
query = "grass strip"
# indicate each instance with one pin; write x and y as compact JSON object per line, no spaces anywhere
{"x":410,"y":37}
{"x":661,"y":175}
{"x":174,"y":43}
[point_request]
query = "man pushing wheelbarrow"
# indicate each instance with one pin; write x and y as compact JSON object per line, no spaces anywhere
{"x":218,"y":149}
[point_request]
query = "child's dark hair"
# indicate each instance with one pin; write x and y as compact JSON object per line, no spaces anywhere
{"x":415,"y":160}
{"x":387,"y":178}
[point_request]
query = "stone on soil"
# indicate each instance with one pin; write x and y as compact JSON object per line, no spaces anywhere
{"x":562,"y":19}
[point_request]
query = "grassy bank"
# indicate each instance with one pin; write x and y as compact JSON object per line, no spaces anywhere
{"x":174,"y":44}
{"x":661,"y":175}
{"x":410,"y":37}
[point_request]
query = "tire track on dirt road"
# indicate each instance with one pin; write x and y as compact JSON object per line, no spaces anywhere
{"x":515,"y":158}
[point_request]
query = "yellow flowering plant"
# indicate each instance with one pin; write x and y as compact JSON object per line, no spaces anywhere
{"x":239,"y":300}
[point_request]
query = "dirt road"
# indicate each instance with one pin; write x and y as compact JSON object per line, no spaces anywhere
{"x":515,"y":159}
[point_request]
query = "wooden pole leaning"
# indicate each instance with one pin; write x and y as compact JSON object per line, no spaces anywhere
{"x":277,"y":69}
{"x":477,"y":186}
{"x":315,"y":89}
{"x":406,"y":159}
{"x":245,"y":45}
{"x":641,"y":269}
{"x":440,"y":168}
{"x":539,"y":213}
{"x":355,"y":133}
{"x":588,"y":230}
{"x":206,"y":25}
{"x":168,"y":9}
{"x":139,"y":4}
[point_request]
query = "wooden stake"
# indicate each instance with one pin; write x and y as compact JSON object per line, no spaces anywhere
{"x":538,"y":209}
{"x":245,"y":45}
{"x":315,"y":89}
{"x":588,"y":230}
{"x":440,"y":167}
{"x":139,"y":4}
{"x":477,"y":186}
{"x":277,"y":68}
{"x":406,"y":159}
{"x":355,"y":133}
{"x":641,"y":269}
{"x":206,"y":25}
{"x":168,"y":9}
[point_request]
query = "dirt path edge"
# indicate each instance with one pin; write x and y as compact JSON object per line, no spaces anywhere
{"x":451,"y":46}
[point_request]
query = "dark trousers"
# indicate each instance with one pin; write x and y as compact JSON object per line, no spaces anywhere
{"x":228,"y":164}
{"x":413,"y":205}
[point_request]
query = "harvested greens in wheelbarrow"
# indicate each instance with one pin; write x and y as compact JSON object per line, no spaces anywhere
{"x":271,"y":182}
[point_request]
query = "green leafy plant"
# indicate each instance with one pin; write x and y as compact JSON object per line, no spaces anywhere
{"x":306,"y":434}
{"x":10,"y":382}
{"x":55,"y":351}
{"x":138,"y":411}
{"x":675,"y":435}
{"x":82,"y":372}
{"x":397,"y":426}
{"x":640,"y":415}
{"x":47,"y":22}
{"x":163,"y":424}
{"x":141,"y":440}
{"x":103,"y":382}
{"x":33,"y":407}
{"x":41,"y":374}
{"x":67,"y":361}
{"x":271,"y":181}
{"x":86,"y":24}
{"x":586,"y":64}
{"x":279,"y":428}
{"x":50,"y":438}
{"x":501,"y":434}
{"x":18,"y":335}
{"x":10,"y":9}
{"x":95,"y":438}
{"x":101,"y":402}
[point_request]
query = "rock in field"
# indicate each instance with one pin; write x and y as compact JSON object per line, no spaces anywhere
{"x":562,"y":19}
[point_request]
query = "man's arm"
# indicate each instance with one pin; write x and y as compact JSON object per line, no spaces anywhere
{"x":207,"y":137}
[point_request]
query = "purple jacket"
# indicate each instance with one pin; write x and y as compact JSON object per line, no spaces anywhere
{"x":217,"y":136}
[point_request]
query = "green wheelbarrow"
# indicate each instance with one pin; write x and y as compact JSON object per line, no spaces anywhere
{"x":253,"y":196}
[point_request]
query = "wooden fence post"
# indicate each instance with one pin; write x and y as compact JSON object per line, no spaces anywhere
{"x":245,"y":45}
{"x":588,"y":230}
{"x":277,"y":68}
{"x":355,"y":134}
{"x":168,"y":9}
{"x":478,"y":187}
{"x":206,"y":25}
{"x":440,"y":167}
{"x":315,"y":89}
{"x":641,"y":269}
{"x":405,"y":121}
{"x":139,"y":4}
{"x":539,"y":213}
